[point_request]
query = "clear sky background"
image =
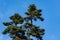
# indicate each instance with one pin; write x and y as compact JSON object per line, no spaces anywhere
{"x":51,"y":13}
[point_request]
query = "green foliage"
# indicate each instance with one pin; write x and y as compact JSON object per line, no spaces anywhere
{"x":35,"y":13}
{"x":26,"y":27}
{"x":7,"y":23}
{"x":17,"y":19}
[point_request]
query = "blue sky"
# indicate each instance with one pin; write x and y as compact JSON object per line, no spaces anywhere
{"x":51,"y":13}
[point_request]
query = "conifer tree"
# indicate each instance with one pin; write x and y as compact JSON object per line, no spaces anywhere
{"x":26,"y":28}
